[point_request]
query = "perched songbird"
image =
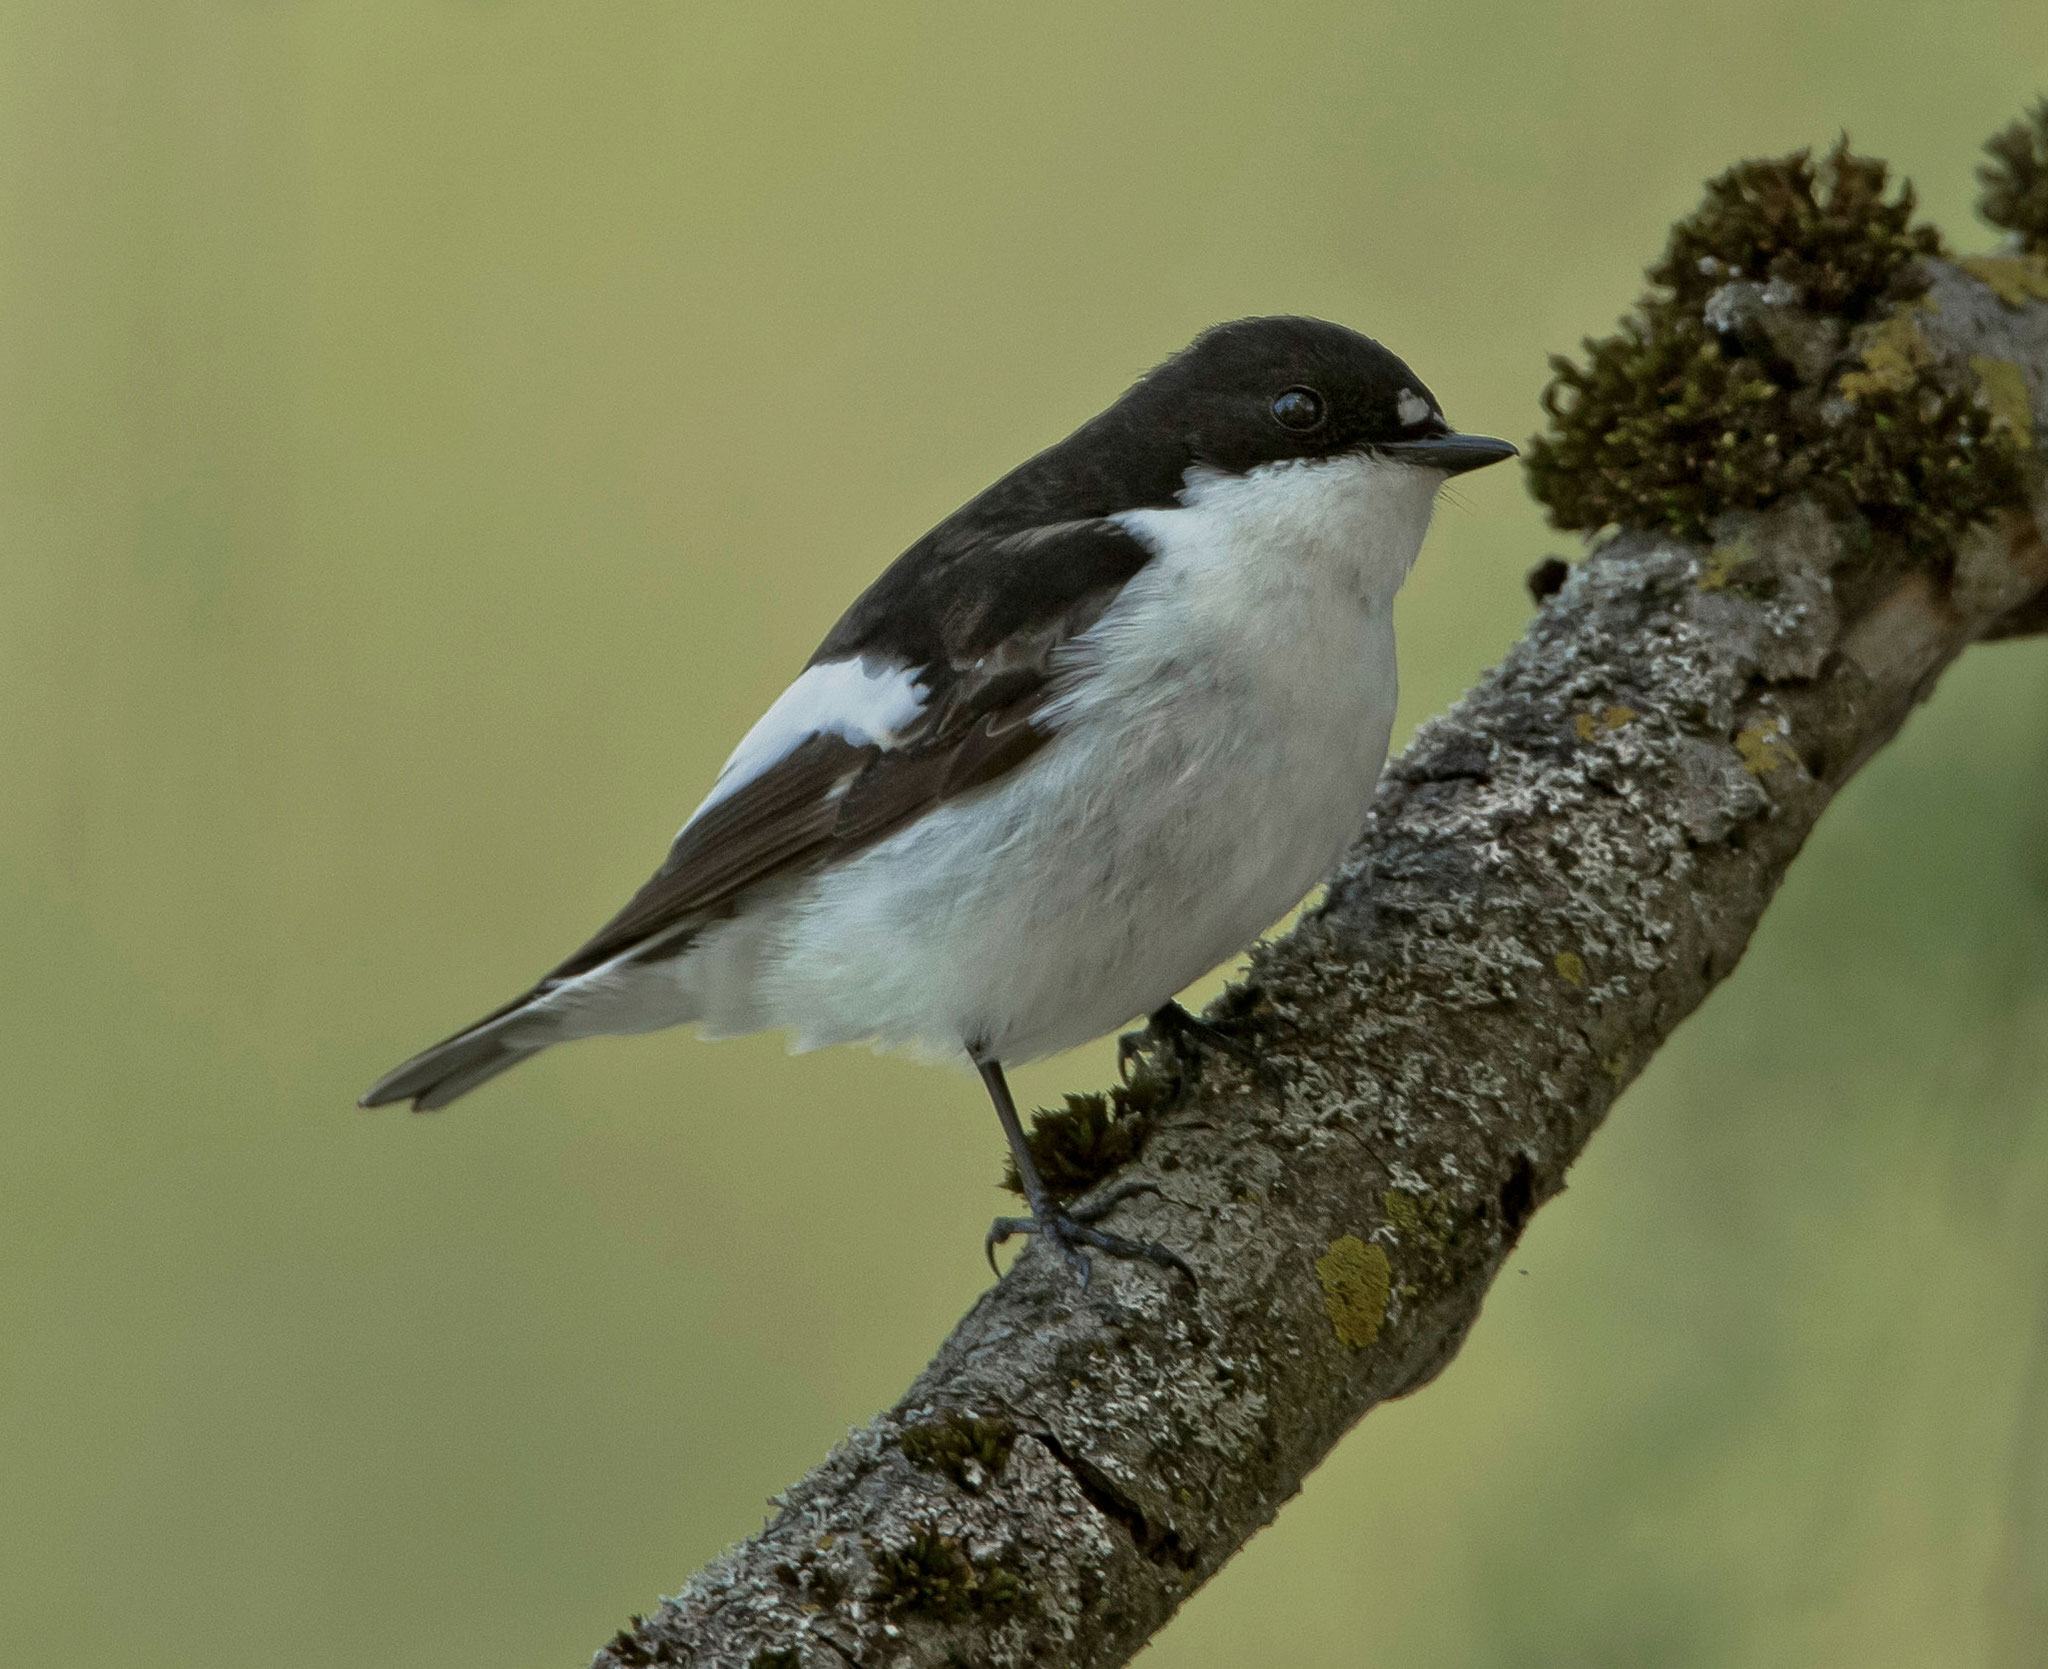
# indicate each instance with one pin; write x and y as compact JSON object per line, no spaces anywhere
{"x":1083,"y":741}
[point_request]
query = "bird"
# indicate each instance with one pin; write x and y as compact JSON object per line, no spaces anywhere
{"x":1081,"y":743}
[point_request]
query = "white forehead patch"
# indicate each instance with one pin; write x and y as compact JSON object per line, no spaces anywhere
{"x":1412,"y":408}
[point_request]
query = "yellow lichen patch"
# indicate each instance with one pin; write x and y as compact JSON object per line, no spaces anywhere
{"x":1570,"y":966}
{"x":1357,"y":1280}
{"x":1892,"y":359}
{"x":2004,"y":387}
{"x":1419,"y":1219}
{"x":1589,"y":725}
{"x":1724,"y":562}
{"x":2014,"y":279}
{"x":1761,"y":749}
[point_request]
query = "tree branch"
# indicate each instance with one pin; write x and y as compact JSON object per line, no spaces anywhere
{"x":1555,"y":874}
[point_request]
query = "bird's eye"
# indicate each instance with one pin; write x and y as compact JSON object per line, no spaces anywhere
{"x":1298,"y":408}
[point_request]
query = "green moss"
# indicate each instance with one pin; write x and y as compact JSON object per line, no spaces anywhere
{"x":817,"y":1586}
{"x":1829,"y":228}
{"x":947,"y":1444}
{"x":2015,"y":180}
{"x":1811,"y":388}
{"x":775,"y":1657}
{"x":1078,"y":1145}
{"x":932,"y":1577}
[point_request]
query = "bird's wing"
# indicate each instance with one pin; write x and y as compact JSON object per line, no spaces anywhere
{"x":934,"y":683}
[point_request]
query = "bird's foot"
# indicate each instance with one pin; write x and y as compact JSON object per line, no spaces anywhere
{"x":1073,"y":1231}
{"x":1185,"y":1037}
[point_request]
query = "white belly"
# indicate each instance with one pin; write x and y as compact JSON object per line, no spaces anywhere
{"x":1222,"y":731}
{"x":1122,"y":864}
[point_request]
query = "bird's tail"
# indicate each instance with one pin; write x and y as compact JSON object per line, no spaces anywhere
{"x":456,"y":1065}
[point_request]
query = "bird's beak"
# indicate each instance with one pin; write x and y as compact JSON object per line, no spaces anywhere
{"x":1453,"y":454}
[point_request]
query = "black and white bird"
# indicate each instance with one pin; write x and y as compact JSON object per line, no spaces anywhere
{"x":1083,"y":741}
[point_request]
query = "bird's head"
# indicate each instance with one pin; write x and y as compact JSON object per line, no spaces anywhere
{"x":1260,"y":391}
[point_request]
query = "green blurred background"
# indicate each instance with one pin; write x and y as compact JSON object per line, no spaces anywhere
{"x":433,"y":430}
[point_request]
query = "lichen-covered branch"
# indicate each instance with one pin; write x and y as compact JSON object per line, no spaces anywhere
{"x":1555,"y":874}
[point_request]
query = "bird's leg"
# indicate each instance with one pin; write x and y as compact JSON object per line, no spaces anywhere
{"x":1072,"y":1229}
{"x":1186,"y":1036}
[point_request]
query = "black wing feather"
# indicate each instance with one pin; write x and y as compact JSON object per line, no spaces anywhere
{"x":982,"y":623}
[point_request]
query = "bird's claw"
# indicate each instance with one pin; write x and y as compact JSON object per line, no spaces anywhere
{"x":1073,"y":1228}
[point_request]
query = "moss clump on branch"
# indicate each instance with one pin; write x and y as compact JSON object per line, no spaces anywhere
{"x":1776,"y":356}
{"x":1830,"y":229}
{"x":931,"y":1576}
{"x":1078,"y":1145}
{"x":963,"y":1447}
{"x":2015,"y":180}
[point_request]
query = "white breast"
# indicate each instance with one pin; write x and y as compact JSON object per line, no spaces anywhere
{"x":1220,"y":731}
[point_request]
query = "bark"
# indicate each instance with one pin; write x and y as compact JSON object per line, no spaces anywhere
{"x":1555,"y":874}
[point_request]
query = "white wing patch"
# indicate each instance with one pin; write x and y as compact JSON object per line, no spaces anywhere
{"x":1412,"y":408}
{"x":859,"y":700}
